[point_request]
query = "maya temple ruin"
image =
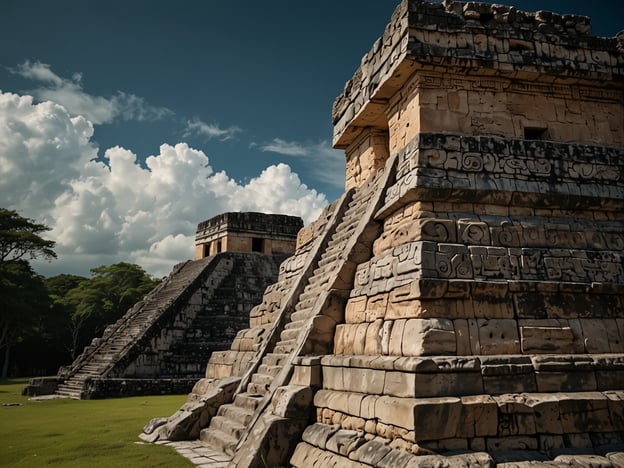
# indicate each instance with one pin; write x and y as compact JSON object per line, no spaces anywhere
{"x":162,"y":344}
{"x":462,"y":304}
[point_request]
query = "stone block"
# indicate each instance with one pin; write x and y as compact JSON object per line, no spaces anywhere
{"x":496,"y":444}
{"x":545,"y":408}
{"x":370,"y":453}
{"x":462,"y":337}
{"x":507,"y":374}
{"x":307,"y":375}
{"x":396,"y":338}
{"x":395,"y":458}
{"x":339,"y":339}
{"x":400,"y":384}
{"x":376,"y":307}
{"x":386,"y":335}
{"x":333,"y":378}
{"x":498,"y":336}
{"x":615,"y":402}
{"x":344,"y":442}
{"x":585,"y":461}
{"x":318,"y":434}
{"x":448,"y":384}
{"x":437,"y":418}
{"x":595,"y":335}
{"x":515,"y":417}
{"x":429,"y":418}
{"x":292,"y":401}
{"x":422,"y":337}
{"x":372,"y":343}
{"x":363,"y":380}
{"x":566,"y":381}
{"x":584,"y":412}
{"x":367,"y":407}
{"x":479,"y":416}
{"x":540,"y":340}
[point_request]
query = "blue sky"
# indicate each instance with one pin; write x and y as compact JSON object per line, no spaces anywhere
{"x":192,"y":108}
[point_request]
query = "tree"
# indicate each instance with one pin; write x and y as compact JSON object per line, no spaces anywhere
{"x":102,"y":299}
{"x":24,"y":300}
{"x":19,"y":237}
{"x":22,"y":293}
{"x":66,"y":326}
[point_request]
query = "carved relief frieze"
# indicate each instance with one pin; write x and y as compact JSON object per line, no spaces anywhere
{"x":504,"y":231}
{"x":422,"y":259}
{"x":432,"y":168}
{"x":480,"y":84}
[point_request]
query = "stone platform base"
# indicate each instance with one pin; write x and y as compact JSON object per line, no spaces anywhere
{"x":119,"y":388}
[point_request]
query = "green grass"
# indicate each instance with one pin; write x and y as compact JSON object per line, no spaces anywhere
{"x":74,"y":433}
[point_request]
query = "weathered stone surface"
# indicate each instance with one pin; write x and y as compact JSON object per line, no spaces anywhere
{"x":471,"y":279}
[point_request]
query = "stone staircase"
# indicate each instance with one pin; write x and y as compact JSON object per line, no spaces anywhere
{"x":332,"y":274}
{"x":100,"y":358}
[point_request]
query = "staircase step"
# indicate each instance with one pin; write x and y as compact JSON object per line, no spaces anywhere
{"x":329,"y":259}
{"x":257,"y":389}
{"x":239,"y":415}
{"x":308,"y":304}
{"x":275,"y":359}
{"x":290,"y":334}
{"x":294,"y":324}
{"x":301,"y":314}
{"x":227,"y":426}
{"x":285,"y":346}
{"x":218,"y":440}
{"x":247,"y":401}
{"x":269,"y":370}
{"x":312,"y":294}
{"x":262,"y":379}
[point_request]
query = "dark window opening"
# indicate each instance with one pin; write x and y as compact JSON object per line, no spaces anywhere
{"x":218,"y":249}
{"x":534,"y":133}
{"x":486,"y":17}
{"x":257,"y":244}
{"x":206,"y":251}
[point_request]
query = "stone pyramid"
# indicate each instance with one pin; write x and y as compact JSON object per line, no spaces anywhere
{"x":463,"y":303}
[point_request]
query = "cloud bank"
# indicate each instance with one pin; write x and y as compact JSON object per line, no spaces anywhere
{"x":114,"y":209}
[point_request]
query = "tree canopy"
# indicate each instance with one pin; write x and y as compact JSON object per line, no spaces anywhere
{"x":57,"y":316}
{"x":20,"y":237}
{"x":22,"y":293}
{"x":95,"y":302}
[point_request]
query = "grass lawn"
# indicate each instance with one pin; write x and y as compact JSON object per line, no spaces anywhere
{"x":75,"y":433}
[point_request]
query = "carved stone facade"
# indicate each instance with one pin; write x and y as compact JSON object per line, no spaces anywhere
{"x":247,"y":232}
{"x":474,"y":314}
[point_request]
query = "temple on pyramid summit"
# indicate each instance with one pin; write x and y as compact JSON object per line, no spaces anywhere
{"x":162,"y":344}
{"x":462,"y":304}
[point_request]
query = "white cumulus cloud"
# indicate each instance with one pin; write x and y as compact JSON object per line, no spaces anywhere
{"x":106,"y":211}
{"x":97,"y":109}
{"x":322,"y":161}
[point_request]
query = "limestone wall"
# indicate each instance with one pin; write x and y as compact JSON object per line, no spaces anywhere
{"x":453,"y":102}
